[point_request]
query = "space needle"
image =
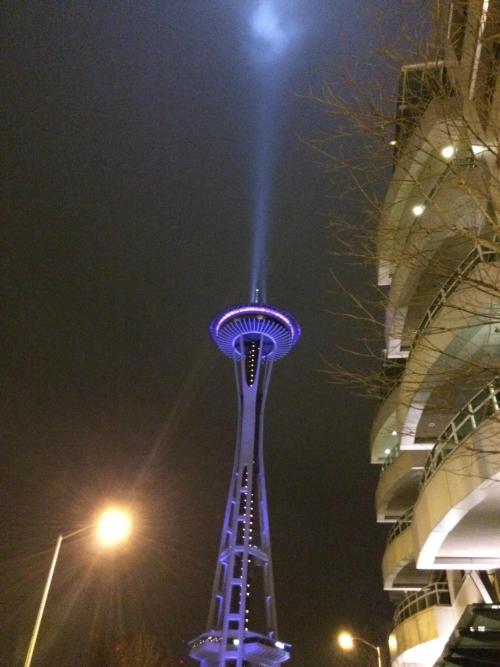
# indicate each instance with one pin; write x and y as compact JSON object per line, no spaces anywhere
{"x":242,"y":626}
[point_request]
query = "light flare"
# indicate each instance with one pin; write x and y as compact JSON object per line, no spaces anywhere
{"x":113,"y":527}
{"x":346,"y":641}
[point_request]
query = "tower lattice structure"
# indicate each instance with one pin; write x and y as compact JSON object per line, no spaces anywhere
{"x":242,"y":626}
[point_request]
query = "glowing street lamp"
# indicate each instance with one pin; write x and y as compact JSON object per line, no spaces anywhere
{"x":346,"y":642}
{"x":113,"y":526}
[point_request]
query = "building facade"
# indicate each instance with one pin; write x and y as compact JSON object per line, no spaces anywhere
{"x":437,"y":431}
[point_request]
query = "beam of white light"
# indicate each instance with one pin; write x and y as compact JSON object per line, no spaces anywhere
{"x":273,"y":27}
{"x":267,"y":26}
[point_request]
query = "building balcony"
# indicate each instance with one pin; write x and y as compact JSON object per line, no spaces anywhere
{"x":480,"y":254}
{"x":475,"y":639}
{"x":420,"y":84}
{"x":398,"y":563}
{"x":399,"y":570}
{"x":457,"y":340}
{"x":419,"y":170}
{"x":456,"y":521}
{"x":457,"y":28}
{"x":438,"y":240}
{"x":397,"y":488}
{"x":384,"y":436}
{"x":423,"y":623}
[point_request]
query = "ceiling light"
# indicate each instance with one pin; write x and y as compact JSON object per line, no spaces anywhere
{"x":418,"y":210}
{"x":448,"y":152}
{"x":393,"y":142}
{"x":394,"y":432}
{"x":477,"y":149}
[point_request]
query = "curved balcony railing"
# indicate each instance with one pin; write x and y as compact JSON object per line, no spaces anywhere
{"x":419,"y":84}
{"x":478,"y":255}
{"x":401,"y":525}
{"x":390,"y":376}
{"x":484,"y":404}
{"x":437,"y":594}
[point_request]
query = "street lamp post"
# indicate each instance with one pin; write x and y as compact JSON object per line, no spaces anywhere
{"x":112,"y":527}
{"x":346,"y":642}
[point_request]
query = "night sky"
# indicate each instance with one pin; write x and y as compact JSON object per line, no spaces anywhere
{"x":129,"y":139}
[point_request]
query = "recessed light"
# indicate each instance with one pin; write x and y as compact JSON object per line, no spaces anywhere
{"x":393,"y":142}
{"x":448,"y":152}
{"x":418,"y":210}
{"x":394,"y":432}
{"x":387,"y":451}
{"x":477,"y":149}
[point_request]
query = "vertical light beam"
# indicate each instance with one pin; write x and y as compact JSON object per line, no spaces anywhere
{"x":271,"y":35}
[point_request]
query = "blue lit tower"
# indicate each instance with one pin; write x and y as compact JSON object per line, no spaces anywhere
{"x":242,"y":627}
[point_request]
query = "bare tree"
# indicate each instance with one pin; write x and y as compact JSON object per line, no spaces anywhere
{"x":408,"y":119}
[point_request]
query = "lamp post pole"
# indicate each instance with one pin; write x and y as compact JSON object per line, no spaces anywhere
{"x":346,"y":641}
{"x":374,"y":646}
{"x":41,"y":608}
{"x":113,"y":527}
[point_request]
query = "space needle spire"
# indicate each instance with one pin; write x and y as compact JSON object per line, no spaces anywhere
{"x":242,"y":626}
